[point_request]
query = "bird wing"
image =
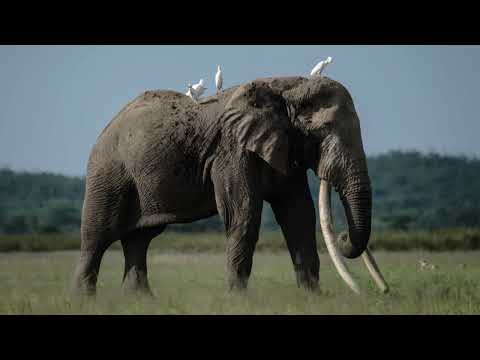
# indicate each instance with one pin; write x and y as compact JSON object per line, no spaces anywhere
{"x":219,"y":80}
{"x":317,"y":68}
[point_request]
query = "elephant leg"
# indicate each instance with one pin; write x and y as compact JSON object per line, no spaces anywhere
{"x":96,"y":237}
{"x":86,"y":273}
{"x":135,"y":246}
{"x":240,"y":207}
{"x":103,"y":208}
{"x":295,"y":213}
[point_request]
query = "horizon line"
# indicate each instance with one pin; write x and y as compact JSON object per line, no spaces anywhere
{"x":471,"y":157}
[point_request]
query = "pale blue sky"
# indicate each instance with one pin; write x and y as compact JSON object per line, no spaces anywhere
{"x":55,"y":100}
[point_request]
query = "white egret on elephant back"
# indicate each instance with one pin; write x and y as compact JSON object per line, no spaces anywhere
{"x":318,"y":69}
{"x":219,"y":79}
{"x":199,"y":88}
{"x":191,"y":93}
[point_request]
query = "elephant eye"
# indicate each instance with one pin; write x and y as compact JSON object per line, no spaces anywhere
{"x":306,"y":106}
{"x":326,"y":128}
{"x":327,"y":125}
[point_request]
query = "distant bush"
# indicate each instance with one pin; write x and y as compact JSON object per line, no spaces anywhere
{"x":431,"y":240}
{"x":170,"y":241}
{"x":39,"y":242}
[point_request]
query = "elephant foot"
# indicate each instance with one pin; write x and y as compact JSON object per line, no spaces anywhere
{"x":140,"y":292}
{"x":83,"y":289}
{"x":135,"y":282}
{"x":306,"y":280}
{"x":238,"y":284}
{"x":83,"y":284}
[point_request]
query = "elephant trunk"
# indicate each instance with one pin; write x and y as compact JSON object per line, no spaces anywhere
{"x":357,"y":202}
{"x":350,"y":176}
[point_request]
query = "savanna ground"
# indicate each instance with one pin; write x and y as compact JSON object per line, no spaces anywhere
{"x":190,"y":282}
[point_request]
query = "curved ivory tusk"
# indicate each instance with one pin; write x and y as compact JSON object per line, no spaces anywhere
{"x":372,"y":267}
{"x":329,"y":236}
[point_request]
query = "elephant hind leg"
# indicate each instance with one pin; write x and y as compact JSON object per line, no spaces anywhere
{"x":96,"y":239}
{"x":135,"y":245}
{"x":103,"y":212}
{"x":86,"y":272}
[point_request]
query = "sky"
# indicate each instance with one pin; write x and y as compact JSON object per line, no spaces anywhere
{"x":55,"y":100}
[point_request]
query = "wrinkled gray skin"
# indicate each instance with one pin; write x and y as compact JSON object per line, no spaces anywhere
{"x":165,"y":159}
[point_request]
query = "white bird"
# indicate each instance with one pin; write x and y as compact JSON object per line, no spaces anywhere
{"x":219,"y":79}
{"x":426,"y":265}
{"x":423,"y":264}
{"x":191,"y":93}
{"x":317,"y":70}
{"x":199,"y":88}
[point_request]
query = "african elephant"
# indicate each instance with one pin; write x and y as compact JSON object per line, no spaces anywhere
{"x":166,"y":159}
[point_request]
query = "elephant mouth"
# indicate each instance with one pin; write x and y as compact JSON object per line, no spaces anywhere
{"x":331,"y":241}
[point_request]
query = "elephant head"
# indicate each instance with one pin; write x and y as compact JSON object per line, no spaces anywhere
{"x":320,"y":112}
{"x":323,"y":110}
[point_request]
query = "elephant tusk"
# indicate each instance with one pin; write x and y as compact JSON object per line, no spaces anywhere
{"x":329,"y":236}
{"x":374,"y":271}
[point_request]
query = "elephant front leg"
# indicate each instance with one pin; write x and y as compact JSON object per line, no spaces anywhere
{"x":240,"y":207}
{"x":295,"y":213}
{"x":242,"y":236}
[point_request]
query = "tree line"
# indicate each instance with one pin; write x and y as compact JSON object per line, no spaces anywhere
{"x":411,"y":190}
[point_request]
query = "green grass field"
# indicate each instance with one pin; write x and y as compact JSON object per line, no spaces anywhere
{"x":194,"y":283}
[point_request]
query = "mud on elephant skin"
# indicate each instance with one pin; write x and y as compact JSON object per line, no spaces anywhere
{"x":165,"y":159}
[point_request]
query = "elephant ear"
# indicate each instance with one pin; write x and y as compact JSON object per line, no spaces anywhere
{"x":256,"y":117}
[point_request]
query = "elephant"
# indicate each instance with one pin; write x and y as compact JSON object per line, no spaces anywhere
{"x":165,"y":159}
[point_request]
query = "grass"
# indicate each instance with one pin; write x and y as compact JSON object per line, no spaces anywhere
{"x":195,"y":283}
{"x":272,"y":241}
